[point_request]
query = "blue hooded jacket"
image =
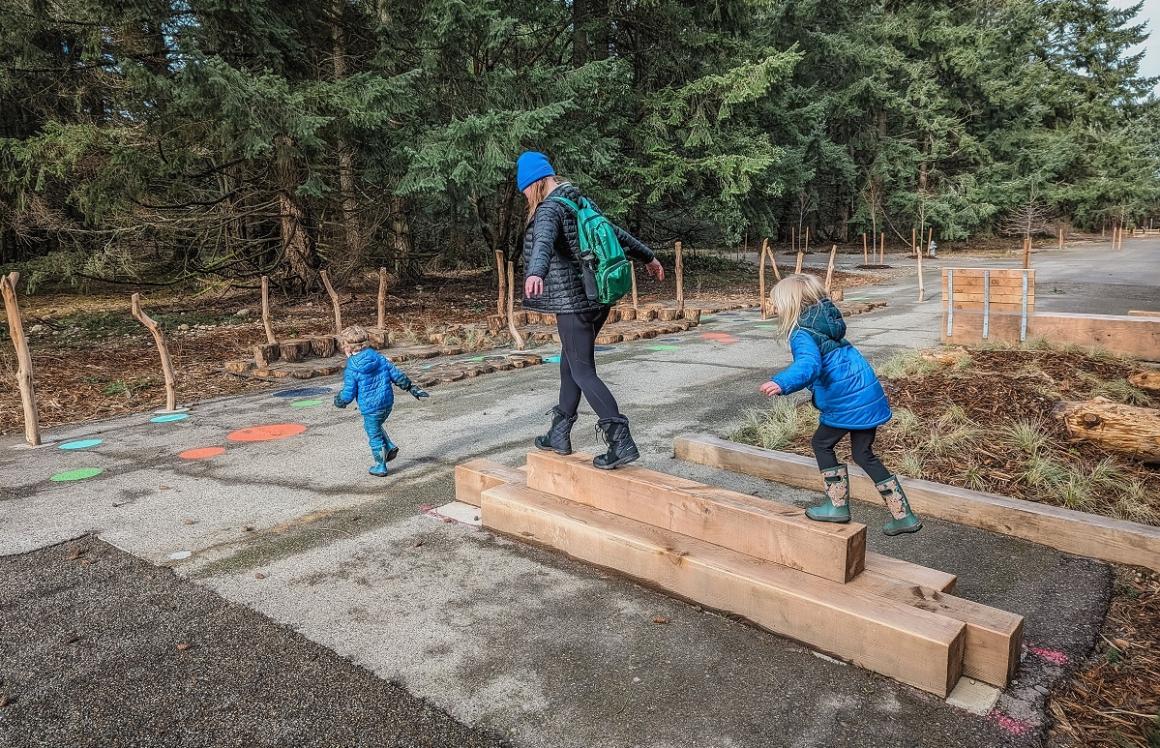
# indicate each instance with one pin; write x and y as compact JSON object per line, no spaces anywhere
{"x":846,"y":390}
{"x":368,"y":378}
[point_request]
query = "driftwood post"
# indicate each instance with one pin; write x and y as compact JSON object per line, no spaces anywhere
{"x":333,"y":302}
{"x":830,"y":268}
{"x":382,"y":300}
{"x":761,"y":279}
{"x":501,"y":288}
{"x":680,"y":270}
{"x":806,"y":248}
{"x":1026,"y":252}
{"x":517,"y":338}
{"x":913,"y":240}
{"x":162,"y":349}
{"x":801,"y":256}
{"x":773,"y":262}
{"x":865,"y":250}
{"x":635,"y":304}
{"x":270,"y":338}
{"x":921,"y":286}
{"x":882,"y":249}
{"x":23,"y":359}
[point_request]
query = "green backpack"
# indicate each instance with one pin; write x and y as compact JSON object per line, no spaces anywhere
{"x":600,"y":253}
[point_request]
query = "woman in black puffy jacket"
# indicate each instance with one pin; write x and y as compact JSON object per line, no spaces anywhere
{"x":554,"y":283}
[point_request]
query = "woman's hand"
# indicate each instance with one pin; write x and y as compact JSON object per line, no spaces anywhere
{"x":534,"y":287}
{"x":655,"y":269}
{"x":771,"y":389}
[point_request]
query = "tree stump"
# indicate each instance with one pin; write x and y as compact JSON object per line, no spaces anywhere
{"x":1124,"y":429}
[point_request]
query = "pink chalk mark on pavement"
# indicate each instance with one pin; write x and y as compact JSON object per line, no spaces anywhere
{"x":1010,"y":724}
{"x":1054,"y":656}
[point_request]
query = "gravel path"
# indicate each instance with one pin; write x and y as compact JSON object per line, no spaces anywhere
{"x":98,"y":648}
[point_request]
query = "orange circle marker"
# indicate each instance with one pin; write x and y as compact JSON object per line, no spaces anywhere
{"x":267,"y":433}
{"x":202,"y":453}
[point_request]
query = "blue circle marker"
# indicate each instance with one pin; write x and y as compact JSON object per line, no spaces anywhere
{"x":303,"y":392}
{"x":81,"y":444}
{"x":169,"y":417}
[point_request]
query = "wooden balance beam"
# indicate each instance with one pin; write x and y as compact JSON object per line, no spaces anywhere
{"x":755,"y":527}
{"x":768,"y":530}
{"x":476,"y":476}
{"x":914,"y":646}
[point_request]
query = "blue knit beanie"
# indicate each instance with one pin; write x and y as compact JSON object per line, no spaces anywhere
{"x":532,"y":166}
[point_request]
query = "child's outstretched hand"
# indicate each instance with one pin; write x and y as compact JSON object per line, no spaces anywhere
{"x":338,"y":402}
{"x":771,"y":389}
{"x":418,"y":392}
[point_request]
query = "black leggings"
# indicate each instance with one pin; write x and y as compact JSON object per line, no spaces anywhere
{"x":861,"y":444}
{"x":578,"y":364}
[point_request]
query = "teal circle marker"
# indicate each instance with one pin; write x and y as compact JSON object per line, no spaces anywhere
{"x":169,"y":417}
{"x":306,"y":403}
{"x":78,"y":474}
{"x":552,"y":359}
{"x":475,"y":359}
{"x":81,"y":444}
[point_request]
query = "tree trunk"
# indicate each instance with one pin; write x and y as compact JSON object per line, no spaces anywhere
{"x":1125,"y":429}
{"x":579,"y":32}
{"x":1148,"y":380}
{"x":403,"y":248}
{"x":356,"y":242}
{"x":299,"y":239}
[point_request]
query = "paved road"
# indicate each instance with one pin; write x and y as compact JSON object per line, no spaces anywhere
{"x":515,"y":640}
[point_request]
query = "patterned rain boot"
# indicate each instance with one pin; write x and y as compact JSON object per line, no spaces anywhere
{"x":621,"y":448}
{"x":559,"y":436}
{"x":901,"y":518}
{"x":836,"y":507}
{"x":380,"y":468}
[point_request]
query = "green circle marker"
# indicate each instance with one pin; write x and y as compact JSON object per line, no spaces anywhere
{"x":310,"y":403}
{"x":664,"y":348}
{"x":78,"y":474}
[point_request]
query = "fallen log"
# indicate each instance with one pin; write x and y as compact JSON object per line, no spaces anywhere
{"x":1125,"y":429}
{"x":1146,"y":380}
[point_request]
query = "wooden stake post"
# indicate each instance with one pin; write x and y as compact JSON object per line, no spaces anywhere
{"x":1026,"y":252}
{"x":270,"y":338}
{"x":501,"y":287}
{"x":517,"y":338}
{"x":761,"y":280}
{"x":913,"y":240}
{"x":162,"y":349}
{"x":24,"y":379}
{"x":680,"y":270}
{"x":865,"y":250}
{"x":830,"y":268}
{"x":333,"y":302}
{"x":882,"y":249}
{"x":921,"y":286}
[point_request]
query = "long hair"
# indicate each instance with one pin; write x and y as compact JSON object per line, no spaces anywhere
{"x":540,"y":192}
{"x":792,"y":296}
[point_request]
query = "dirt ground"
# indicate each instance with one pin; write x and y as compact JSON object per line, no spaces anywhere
{"x":92,"y":360}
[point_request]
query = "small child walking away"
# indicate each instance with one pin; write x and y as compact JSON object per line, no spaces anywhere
{"x":845,"y":391}
{"x":368,"y":379}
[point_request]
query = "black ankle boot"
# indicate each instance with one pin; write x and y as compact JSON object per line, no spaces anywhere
{"x":621,"y":448}
{"x":559,"y":436}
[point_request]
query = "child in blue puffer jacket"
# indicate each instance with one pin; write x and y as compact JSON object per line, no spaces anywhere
{"x":368,"y":379}
{"x":845,"y":391}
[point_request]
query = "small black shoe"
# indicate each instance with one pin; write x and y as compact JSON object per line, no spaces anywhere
{"x":559,"y":436}
{"x":621,"y":448}
{"x":392,"y":452}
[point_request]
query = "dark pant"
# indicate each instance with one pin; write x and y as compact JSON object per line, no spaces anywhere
{"x":578,"y":364}
{"x":861,"y":444}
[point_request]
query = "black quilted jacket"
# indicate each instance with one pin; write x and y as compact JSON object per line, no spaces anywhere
{"x":552,"y":250}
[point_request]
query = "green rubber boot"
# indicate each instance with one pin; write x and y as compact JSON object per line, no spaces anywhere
{"x":836,"y":507}
{"x":902,"y":519}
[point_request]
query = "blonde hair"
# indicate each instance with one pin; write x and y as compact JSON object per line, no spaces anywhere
{"x":792,"y":296}
{"x":540,"y":191}
{"x":356,"y":337}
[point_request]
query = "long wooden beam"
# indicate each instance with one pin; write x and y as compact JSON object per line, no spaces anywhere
{"x":1081,"y":533}
{"x":772,"y":531}
{"x":906,"y":643}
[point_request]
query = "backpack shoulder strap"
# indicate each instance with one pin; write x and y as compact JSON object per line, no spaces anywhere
{"x":560,"y":199}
